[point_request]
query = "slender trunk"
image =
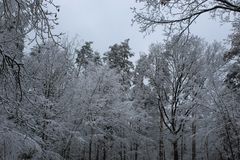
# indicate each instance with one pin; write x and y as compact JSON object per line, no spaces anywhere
{"x":136,"y":151}
{"x":206,"y":149}
{"x":161,"y":143}
{"x":131,"y":150}
{"x":182,"y":148}
{"x":120,"y":152}
{"x":124,"y":146}
{"x":90,"y":149}
{"x":83,"y":153}
{"x":44,"y":127}
{"x":229,"y":141}
{"x":4,"y":150}
{"x":124,"y":153}
{"x":175,"y":150}
{"x":97,"y":152}
{"x":104,"y":152}
{"x":194,"y":139}
{"x":182,"y":143}
{"x":90,"y":145}
{"x":161,"y":152}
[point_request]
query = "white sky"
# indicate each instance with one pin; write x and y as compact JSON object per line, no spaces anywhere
{"x":106,"y":22}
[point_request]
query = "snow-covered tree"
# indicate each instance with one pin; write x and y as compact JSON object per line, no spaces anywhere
{"x":118,"y":58}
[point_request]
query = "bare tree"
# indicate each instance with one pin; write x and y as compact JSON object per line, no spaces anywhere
{"x":174,"y":71}
{"x":178,"y":15}
{"x":26,"y":16}
{"x":18,"y":18}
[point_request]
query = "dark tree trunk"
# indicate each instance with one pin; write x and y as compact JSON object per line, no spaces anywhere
{"x":97,"y":152}
{"x":121,"y":150}
{"x":182,"y":143}
{"x":90,"y":149}
{"x":206,"y":149}
{"x":161,"y":153}
{"x":131,"y":150}
{"x":124,"y":153}
{"x":194,"y":139}
{"x":90,"y":145}
{"x":104,"y":152}
{"x":136,"y":151}
{"x":175,"y":150}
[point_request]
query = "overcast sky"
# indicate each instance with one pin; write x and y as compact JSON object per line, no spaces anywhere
{"x":106,"y":22}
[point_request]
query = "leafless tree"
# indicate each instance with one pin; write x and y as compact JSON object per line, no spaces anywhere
{"x":179,"y":15}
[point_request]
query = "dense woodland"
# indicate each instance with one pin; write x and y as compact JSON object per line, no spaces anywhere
{"x":64,"y":100}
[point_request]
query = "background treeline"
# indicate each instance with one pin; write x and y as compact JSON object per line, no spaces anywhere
{"x":180,"y":100}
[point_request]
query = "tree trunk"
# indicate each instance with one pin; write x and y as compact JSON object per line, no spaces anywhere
{"x":90,"y":149}
{"x":194,"y":139}
{"x":97,"y":151}
{"x":136,"y":152}
{"x":124,"y":152}
{"x":206,"y":149}
{"x":182,"y":143}
{"x":161,"y":153}
{"x":104,"y":152}
{"x":131,"y":150}
{"x":90,"y":145}
{"x":121,"y":150}
{"x":83,"y":153}
{"x":175,"y":150}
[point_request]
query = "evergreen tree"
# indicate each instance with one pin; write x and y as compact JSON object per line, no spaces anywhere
{"x":118,"y":58}
{"x":84,"y":55}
